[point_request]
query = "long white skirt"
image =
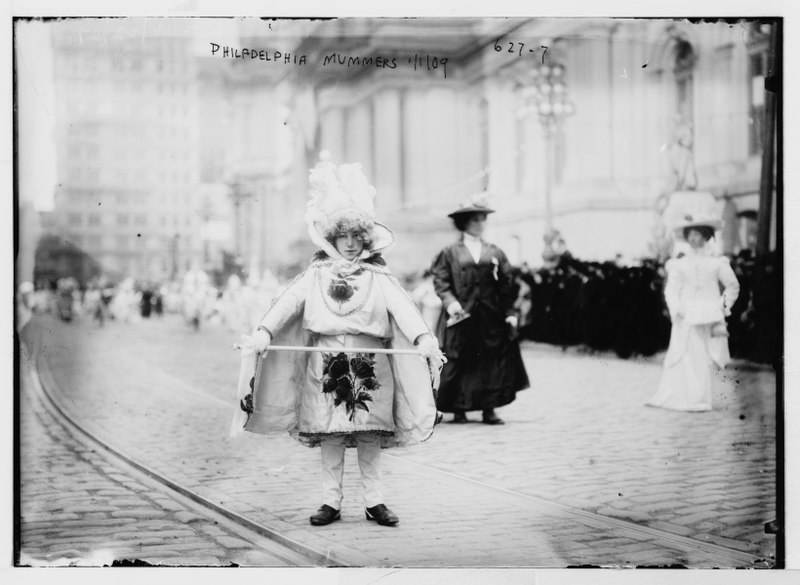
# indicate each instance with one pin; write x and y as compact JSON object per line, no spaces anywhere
{"x":689,"y":366}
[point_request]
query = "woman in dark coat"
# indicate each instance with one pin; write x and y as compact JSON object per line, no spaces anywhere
{"x":475,"y":282}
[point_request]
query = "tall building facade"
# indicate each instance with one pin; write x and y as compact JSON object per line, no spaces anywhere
{"x":652,"y":99}
{"x":127,"y":144}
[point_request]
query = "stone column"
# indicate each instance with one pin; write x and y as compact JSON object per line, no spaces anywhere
{"x":332,"y":139}
{"x":502,"y":139}
{"x":388,"y":158}
{"x":359,"y":136}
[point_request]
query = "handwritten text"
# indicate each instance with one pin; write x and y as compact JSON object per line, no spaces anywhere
{"x":518,"y":48}
{"x":260,"y":54}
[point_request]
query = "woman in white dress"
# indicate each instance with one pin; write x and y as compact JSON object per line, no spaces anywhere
{"x":346,"y":298}
{"x":699,"y":340}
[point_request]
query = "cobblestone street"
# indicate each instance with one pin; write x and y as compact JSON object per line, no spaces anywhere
{"x":581,"y":474}
{"x":78,"y":510}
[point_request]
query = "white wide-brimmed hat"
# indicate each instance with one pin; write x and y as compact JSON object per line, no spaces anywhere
{"x":478,"y":203}
{"x":692,"y":209}
{"x":343,"y":193}
{"x":697,"y":219}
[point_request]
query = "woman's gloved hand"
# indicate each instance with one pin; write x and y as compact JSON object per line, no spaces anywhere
{"x":513,"y":321}
{"x":454,"y":308}
{"x":726,"y":309}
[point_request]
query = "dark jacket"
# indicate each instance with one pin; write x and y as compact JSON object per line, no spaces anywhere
{"x":485,"y":290}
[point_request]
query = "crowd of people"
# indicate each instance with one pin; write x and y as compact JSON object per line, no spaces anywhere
{"x":609,"y":306}
{"x":599,"y":306}
{"x":99,"y":299}
{"x":236,"y":305}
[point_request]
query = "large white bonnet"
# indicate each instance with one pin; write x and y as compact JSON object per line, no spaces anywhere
{"x":342,"y":192}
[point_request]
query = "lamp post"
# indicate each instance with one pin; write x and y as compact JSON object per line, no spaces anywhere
{"x":546,"y":95}
{"x":205,"y":213}
{"x":175,"y":268}
{"x":237,"y":194}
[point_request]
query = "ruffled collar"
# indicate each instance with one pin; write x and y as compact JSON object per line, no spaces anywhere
{"x":705,"y":250}
{"x":370,"y":260}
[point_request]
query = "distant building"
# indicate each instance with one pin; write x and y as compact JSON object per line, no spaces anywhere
{"x":126,"y":144}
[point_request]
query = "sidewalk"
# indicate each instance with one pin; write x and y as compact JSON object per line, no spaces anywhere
{"x":582,"y":474}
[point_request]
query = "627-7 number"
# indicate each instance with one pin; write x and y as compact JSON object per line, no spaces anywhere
{"x":518,"y":48}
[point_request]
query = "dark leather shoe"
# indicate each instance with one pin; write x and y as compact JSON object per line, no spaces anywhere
{"x":325,"y":515}
{"x":382,"y":515}
{"x":459,"y":418}
{"x":493,"y":419}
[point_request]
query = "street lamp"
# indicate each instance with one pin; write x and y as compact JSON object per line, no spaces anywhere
{"x":237,"y":194}
{"x":174,"y":245}
{"x":546,"y":95}
{"x":205,"y":213}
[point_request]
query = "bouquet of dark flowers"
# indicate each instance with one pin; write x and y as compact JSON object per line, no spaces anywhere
{"x":351,"y":381}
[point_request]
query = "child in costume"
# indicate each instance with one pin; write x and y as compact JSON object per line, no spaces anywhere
{"x":338,"y":398}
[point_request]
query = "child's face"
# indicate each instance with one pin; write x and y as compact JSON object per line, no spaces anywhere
{"x":349,"y":244}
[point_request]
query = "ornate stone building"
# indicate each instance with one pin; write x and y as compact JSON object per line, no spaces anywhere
{"x":427,"y":140}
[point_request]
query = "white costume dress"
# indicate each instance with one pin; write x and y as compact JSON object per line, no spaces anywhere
{"x":695,"y":304}
{"x":340,"y":399}
{"x":294,"y":392}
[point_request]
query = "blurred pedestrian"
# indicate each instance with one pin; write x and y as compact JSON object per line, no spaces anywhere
{"x":234,"y":307}
{"x":146,"y":301}
{"x":699,"y":338}
{"x":93,"y":303}
{"x":24,"y":304}
{"x":477,"y":326}
{"x":158,"y":300}
{"x":522,"y":304}
{"x":345,"y":298}
{"x":194,"y":294}
{"x":125,"y":303}
{"x":427,"y":301}
{"x":65,"y":297}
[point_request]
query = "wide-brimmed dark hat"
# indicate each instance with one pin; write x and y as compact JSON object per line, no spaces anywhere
{"x":475,"y":204}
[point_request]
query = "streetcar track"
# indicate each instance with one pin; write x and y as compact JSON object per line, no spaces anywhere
{"x":727,"y":556}
{"x":627,"y":528}
{"x":315,"y":557}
